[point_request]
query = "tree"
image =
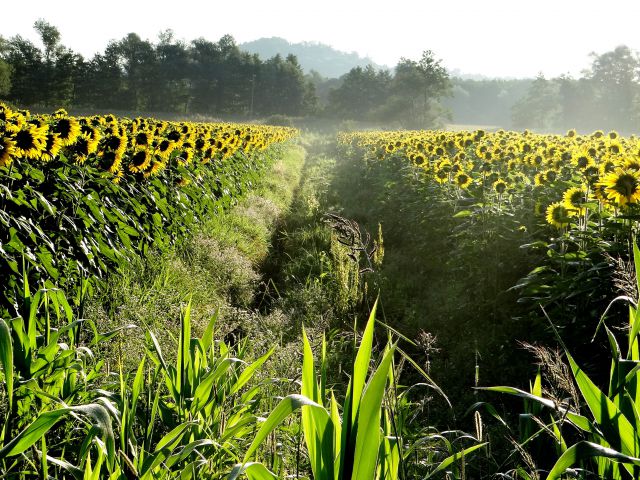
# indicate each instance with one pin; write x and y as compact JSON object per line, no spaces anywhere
{"x":137,"y":58}
{"x":50,"y":37}
{"x":418,"y":88}
{"x":172,"y":89}
{"x":5,"y":69}
{"x":615,"y":78}
{"x":540,"y":108}
{"x":26,"y":64}
{"x":362,"y":92}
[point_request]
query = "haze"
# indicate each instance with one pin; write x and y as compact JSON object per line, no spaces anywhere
{"x":496,"y":38}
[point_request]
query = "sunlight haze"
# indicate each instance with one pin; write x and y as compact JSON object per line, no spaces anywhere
{"x":495,"y":38}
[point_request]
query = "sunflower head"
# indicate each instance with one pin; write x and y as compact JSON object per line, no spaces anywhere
{"x":500,"y":186}
{"x":139,"y":161}
{"x":7,"y":151}
{"x":30,"y":141}
{"x":442,"y":176}
{"x":5,"y":113}
{"x":462,"y":180}
{"x":52,"y":147}
{"x":550,"y":176}
{"x":575,"y":199}
{"x":558,"y":215}
{"x":622,"y":186}
{"x":67,"y":129}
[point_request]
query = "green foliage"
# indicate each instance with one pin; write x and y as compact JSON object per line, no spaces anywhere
{"x":168,"y":76}
{"x":610,"y":432}
{"x":409,"y":98}
{"x":605,"y":97}
{"x":61,"y":406}
{"x":71,"y":223}
{"x":361,"y":444}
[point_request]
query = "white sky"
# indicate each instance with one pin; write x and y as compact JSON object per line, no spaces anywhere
{"x":492,"y":37}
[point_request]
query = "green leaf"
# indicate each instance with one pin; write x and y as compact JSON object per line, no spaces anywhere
{"x":521,"y":393}
{"x":6,"y":358}
{"x":361,"y":364}
{"x":369,"y":415}
{"x":316,"y":424}
{"x":615,"y":427}
{"x":454,"y":458}
{"x":34,"y":432}
{"x":583,"y":450}
{"x":286,"y":406}
{"x":463,"y":214}
{"x":248,"y":372}
{"x":253,"y":471}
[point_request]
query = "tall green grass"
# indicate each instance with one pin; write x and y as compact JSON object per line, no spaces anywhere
{"x":362,"y":442}
{"x":608,"y":430}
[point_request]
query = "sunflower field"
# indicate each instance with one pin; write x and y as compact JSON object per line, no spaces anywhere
{"x":574,"y":198}
{"x":502,"y":223}
{"x":81,"y":195}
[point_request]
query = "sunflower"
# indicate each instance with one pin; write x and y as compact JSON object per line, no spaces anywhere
{"x":156,"y":166}
{"x":558,"y":215}
{"x":5,"y":113}
{"x":175,"y":137}
{"x":500,"y":186}
{"x":142,"y":140}
{"x":67,"y":129}
{"x":139,"y":161}
{"x":462,"y":180}
{"x":575,"y":198}
{"x":550,"y":176}
{"x":442,"y":176}
{"x":83,"y":147}
{"x":110,"y":160}
{"x":582,"y":160}
{"x":92,"y":135}
{"x":622,"y":186}
{"x":615,"y":147}
{"x":114,"y":143}
{"x":52,"y":147}
{"x":419,"y":159}
{"x":632,"y":164}
{"x":164,"y":149}
{"x":7,"y":151}
{"x":30,"y":141}
{"x":186,"y":154}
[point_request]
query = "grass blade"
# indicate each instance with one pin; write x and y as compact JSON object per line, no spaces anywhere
{"x":370,"y":412}
{"x":583,"y":450}
{"x":617,"y":430}
{"x":455,"y":457}
{"x":31,"y":434}
{"x":6,"y":358}
{"x":248,"y":372}
{"x":286,"y":406}
{"x":253,"y":471}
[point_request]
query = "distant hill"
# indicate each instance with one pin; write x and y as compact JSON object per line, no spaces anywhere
{"x":325,"y":60}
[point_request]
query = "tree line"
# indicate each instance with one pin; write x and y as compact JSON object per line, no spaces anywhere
{"x":219,"y":79}
{"x":166,"y":76}
{"x":605,"y":96}
{"x":204,"y":77}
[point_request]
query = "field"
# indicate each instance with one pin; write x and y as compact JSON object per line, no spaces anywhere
{"x":218,"y":300}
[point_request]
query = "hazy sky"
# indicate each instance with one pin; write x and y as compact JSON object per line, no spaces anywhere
{"x":491,"y":37}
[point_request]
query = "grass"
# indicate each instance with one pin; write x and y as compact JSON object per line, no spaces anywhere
{"x":218,"y":268}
